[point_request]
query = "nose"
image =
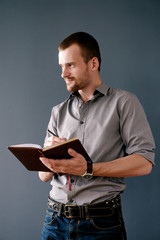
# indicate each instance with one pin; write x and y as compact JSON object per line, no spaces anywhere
{"x":65,"y":72}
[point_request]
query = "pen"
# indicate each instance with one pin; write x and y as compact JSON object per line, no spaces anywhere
{"x":50,"y":132}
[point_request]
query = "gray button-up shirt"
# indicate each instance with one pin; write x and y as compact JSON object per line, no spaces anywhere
{"x":111,"y":125}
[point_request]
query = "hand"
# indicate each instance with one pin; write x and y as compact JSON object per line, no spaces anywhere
{"x":53,"y":140}
{"x":77,"y":165}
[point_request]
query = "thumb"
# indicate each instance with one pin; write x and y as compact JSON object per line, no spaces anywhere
{"x":72,"y":152}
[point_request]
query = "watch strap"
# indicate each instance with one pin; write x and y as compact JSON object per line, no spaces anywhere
{"x":89,"y":167}
{"x":89,"y":172}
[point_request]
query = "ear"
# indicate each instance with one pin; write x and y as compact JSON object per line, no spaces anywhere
{"x":95,"y":63}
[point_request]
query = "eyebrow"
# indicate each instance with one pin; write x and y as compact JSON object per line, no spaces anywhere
{"x":68,"y":63}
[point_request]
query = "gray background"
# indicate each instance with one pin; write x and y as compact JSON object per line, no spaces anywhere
{"x":30,"y":84}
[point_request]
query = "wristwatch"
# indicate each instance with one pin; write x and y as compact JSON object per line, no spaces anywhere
{"x":89,"y":173}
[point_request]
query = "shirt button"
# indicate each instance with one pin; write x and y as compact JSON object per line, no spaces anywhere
{"x":81,"y":122}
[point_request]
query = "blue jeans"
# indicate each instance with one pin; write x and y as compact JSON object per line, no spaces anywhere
{"x":62,"y":228}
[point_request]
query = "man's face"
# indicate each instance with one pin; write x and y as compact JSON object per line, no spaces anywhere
{"x":74,"y":70}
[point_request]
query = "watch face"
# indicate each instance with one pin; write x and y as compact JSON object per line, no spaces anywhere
{"x":87,"y":175}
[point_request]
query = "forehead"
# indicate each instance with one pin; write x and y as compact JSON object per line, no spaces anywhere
{"x":70,"y":54}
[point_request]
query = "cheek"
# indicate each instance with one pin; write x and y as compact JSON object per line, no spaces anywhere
{"x":80,"y":74}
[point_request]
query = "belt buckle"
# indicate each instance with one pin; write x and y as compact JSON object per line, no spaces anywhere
{"x":66,"y":210}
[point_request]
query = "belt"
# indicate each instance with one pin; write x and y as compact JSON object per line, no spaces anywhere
{"x":102,"y":209}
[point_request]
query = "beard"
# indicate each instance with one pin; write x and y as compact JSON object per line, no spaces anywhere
{"x":74,"y":84}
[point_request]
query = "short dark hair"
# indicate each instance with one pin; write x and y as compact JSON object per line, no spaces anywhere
{"x":88,"y":44}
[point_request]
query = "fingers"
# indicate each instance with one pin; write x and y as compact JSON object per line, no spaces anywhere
{"x":73,"y":153}
{"x":77,"y":165}
{"x":46,"y":162}
{"x":55,"y":165}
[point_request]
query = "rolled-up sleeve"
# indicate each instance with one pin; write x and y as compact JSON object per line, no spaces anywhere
{"x":135,"y":129}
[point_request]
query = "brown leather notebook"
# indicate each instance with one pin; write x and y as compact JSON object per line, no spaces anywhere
{"x":29,"y":154}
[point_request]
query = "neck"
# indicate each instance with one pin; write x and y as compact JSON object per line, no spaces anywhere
{"x":87,"y":93}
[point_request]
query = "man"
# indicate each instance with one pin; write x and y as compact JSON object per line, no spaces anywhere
{"x":84,"y":202}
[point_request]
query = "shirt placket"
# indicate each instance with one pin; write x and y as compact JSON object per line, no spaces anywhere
{"x":83,"y":114}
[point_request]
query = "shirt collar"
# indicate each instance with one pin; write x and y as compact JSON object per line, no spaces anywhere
{"x":103,"y":89}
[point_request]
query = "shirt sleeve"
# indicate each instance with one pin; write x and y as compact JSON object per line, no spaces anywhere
{"x":51,"y":128}
{"x":135,"y":129}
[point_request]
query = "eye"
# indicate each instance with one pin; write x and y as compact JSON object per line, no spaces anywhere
{"x":71,"y":65}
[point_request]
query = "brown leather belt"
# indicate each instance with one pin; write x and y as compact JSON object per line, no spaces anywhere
{"x":102,"y":209}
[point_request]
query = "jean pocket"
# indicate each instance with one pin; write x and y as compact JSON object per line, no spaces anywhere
{"x":107,"y":223}
{"x":51,"y":217}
